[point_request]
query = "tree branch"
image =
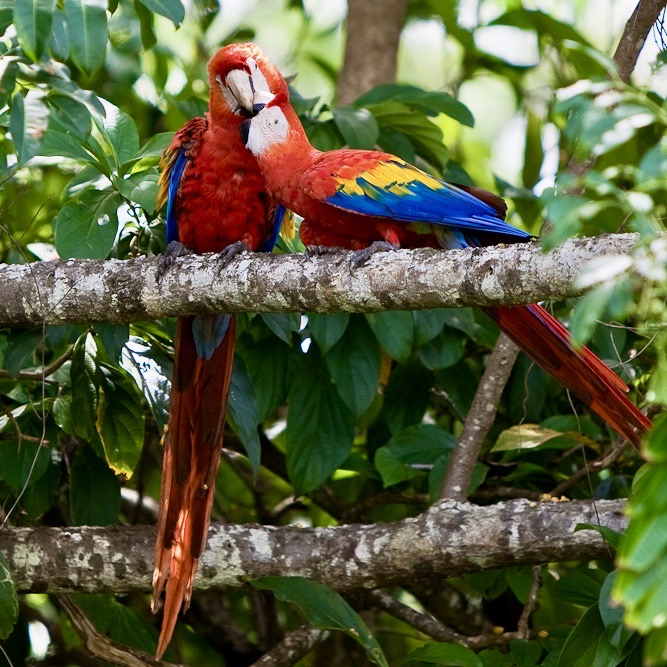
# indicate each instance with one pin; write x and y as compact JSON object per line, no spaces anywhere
{"x":634,"y":35}
{"x":480,"y":418}
{"x":82,"y":291}
{"x":448,"y":539}
{"x":294,"y":647}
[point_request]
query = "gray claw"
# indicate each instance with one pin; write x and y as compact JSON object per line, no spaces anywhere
{"x":360,"y":257}
{"x":174,"y":250}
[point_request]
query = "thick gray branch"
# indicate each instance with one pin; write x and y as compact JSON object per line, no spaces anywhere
{"x":449,"y":539}
{"x":80,"y":291}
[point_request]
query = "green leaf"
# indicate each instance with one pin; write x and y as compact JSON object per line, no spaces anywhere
{"x":525,"y":652}
{"x":430,"y":102}
{"x":420,"y":445}
{"x":242,"y":411}
{"x":580,"y":588}
{"x":146,"y":27}
{"x":544,"y":24}
{"x":27,"y":124}
{"x":86,"y":228}
{"x":120,"y":421}
{"x":23,"y":463}
{"x":94,"y":495}
{"x":607,"y":533}
{"x":32,"y":20}
{"x":524,"y":436}
{"x":406,"y":396}
{"x":9,"y":602}
{"x":438,"y":653}
{"x":588,"y":312}
{"x":171,"y":9}
{"x":122,"y":133}
{"x":358,"y":126}
{"x":282,"y":324}
{"x":325,"y":609}
{"x":394,"y":331}
{"x":83,"y":374}
{"x":354,"y":365}
{"x":64,"y":144}
{"x":9,"y":70}
{"x":20,"y":345}
{"x":113,"y":337}
{"x":141,"y":188}
{"x":320,"y":427}
{"x":155,"y":146}
{"x":587,"y":645}
{"x":87,"y":32}
{"x":443,"y":351}
{"x":327,"y":330}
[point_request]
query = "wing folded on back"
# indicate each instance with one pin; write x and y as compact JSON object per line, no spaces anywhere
{"x":173,"y":167}
{"x":394,"y":189}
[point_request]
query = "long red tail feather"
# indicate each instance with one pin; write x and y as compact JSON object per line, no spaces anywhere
{"x":545,"y":340}
{"x":193,"y":446}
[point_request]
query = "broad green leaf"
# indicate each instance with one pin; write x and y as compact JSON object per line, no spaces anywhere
{"x":443,"y":351}
{"x":282,"y":324}
{"x":327,"y":329}
{"x":358,"y":126}
{"x":452,"y":655}
{"x":59,"y":43}
{"x":9,"y":602}
{"x":242,"y":411}
{"x":149,"y":367}
{"x":94,"y":495}
{"x":86,"y":228}
{"x":64,"y":144}
{"x":406,"y":396}
{"x":588,"y":312}
{"x":609,"y":535}
{"x":267,"y":364}
{"x":520,"y":580}
{"x":320,"y":427}
{"x":354,"y":365}
{"x":429,"y":102}
{"x":580,"y":588}
{"x":9,"y":70}
{"x":146,"y":27}
{"x":120,"y":421}
{"x":428,"y":324}
{"x":587,"y":645}
{"x":27,"y":124}
{"x":410,"y":451}
{"x":141,"y":188}
{"x":172,"y":9}
{"x":87,"y":32}
{"x":325,"y":609}
{"x":19,"y":347}
{"x":122,"y":133}
{"x":113,"y":337}
{"x":524,"y":436}
{"x":543,"y":23}
{"x":151,"y":150}
{"x":491,"y":658}
{"x":394,"y":331}
{"x":32,"y":20}
{"x":83,"y":374}
{"x":525,"y":652}
{"x":23,"y":463}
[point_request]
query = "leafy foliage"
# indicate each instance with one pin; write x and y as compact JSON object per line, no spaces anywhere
{"x":355,"y":414}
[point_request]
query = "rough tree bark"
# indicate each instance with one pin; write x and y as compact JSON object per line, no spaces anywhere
{"x":373,"y":34}
{"x":449,"y":539}
{"x":81,"y":291}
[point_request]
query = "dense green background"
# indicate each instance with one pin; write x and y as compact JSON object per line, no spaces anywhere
{"x":370,"y":396}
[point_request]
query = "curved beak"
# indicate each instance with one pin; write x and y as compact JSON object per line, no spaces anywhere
{"x":244,"y":130}
{"x":239,"y":92}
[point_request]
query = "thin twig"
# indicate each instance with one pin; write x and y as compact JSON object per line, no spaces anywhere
{"x":595,"y":466}
{"x":293,"y":647}
{"x":433,"y":628}
{"x":529,"y":607}
{"x":480,"y":418}
{"x":38,"y":376}
{"x":101,"y":647}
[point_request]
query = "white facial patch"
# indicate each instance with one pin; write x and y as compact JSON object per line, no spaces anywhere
{"x":268,"y":128}
{"x":259,"y":82}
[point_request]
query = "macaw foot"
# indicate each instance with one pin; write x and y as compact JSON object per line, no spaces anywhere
{"x":228,"y":254}
{"x":321,"y":250}
{"x":360,"y":257}
{"x":174,"y":250}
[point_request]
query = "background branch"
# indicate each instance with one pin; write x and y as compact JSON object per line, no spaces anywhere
{"x":81,"y":291}
{"x":449,"y":539}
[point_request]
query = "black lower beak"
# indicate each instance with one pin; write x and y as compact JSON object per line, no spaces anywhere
{"x":244,"y":130}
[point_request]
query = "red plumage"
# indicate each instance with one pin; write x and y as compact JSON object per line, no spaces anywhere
{"x":216,"y":197}
{"x":352,"y":198}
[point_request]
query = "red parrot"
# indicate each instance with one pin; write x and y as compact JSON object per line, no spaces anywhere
{"x":361,"y":199}
{"x":216,"y":202}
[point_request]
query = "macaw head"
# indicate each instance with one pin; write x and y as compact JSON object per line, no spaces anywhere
{"x":270,"y":126}
{"x":240,"y":76}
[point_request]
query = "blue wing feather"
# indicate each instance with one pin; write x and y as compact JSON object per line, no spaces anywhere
{"x":419,"y":198}
{"x":175,"y":175}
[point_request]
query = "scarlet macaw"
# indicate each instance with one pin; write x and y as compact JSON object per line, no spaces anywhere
{"x":360,"y":199}
{"x":216,"y":202}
